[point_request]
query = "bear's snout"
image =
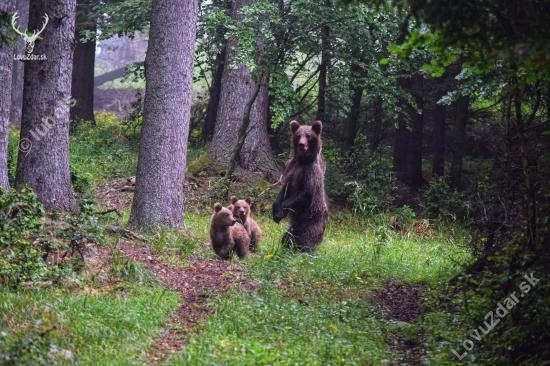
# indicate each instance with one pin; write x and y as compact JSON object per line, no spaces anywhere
{"x":233,"y":221}
{"x":242,"y":212}
{"x":302,"y":146}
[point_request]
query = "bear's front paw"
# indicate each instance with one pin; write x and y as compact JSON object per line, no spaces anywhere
{"x":277,"y":217}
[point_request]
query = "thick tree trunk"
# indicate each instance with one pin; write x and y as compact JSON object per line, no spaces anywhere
{"x":236,"y":90}
{"x":350,"y":124}
{"x":214,"y":101}
{"x":83,"y":66}
{"x":323,"y":69}
{"x":402,"y":134}
{"x":6,"y":61}
{"x":414,"y":169}
{"x":439,"y":116}
{"x":43,"y":159}
{"x":461,"y":118}
{"x":18,"y":68}
{"x":158,"y":198}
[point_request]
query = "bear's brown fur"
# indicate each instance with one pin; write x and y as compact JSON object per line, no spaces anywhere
{"x":241,"y":212}
{"x":227,"y":234}
{"x":303,"y":193}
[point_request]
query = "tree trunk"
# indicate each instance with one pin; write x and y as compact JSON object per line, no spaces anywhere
{"x":350,"y":124}
{"x":459,"y":138}
{"x":82,"y":88}
{"x":43,"y":159}
{"x":323,"y":69}
{"x":6,"y":61}
{"x":414,"y":169}
{"x":214,"y":101}
{"x":402,"y":134}
{"x":439,"y":116}
{"x":18,"y":68}
{"x":236,"y":90}
{"x":531,"y":200}
{"x":158,"y":198}
{"x":109,"y":76}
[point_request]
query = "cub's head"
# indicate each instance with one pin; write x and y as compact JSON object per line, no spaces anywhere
{"x":222,"y":216}
{"x":306,"y":140}
{"x":241,"y":208}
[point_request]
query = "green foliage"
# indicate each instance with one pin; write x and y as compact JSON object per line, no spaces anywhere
{"x":446,"y":202}
{"x":21,"y":219}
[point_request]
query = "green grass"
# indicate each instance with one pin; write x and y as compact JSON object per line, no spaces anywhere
{"x":111,"y":328}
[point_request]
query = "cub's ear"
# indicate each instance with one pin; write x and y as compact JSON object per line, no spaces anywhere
{"x":234,"y":199}
{"x":317,"y":127}
{"x":249,"y":200}
{"x":230,"y":208}
{"x":294,"y":126}
{"x":217,"y":207}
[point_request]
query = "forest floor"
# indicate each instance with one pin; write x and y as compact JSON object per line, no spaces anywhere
{"x":367,"y":296}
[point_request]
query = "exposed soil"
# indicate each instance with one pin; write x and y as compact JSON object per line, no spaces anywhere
{"x":402,"y":303}
{"x":196,"y":281}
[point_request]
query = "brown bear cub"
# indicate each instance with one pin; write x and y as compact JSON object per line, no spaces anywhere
{"x":303,"y":193}
{"x":241,"y":211}
{"x":227,"y":235}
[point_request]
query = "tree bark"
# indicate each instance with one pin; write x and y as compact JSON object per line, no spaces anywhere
{"x":236,"y":90}
{"x":323,"y":69}
{"x":18,"y":68}
{"x":82,"y":88}
{"x":43,"y":159}
{"x":402,"y":134}
{"x":414,"y":169}
{"x":461,"y":119}
{"x":6,"y":61}
{"x":350,"y":124}
{"x":158,"y":198}
{"x":439,"y":116}
{"x":214,"y":101}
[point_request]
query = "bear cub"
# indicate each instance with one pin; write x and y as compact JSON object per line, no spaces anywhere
{"x":241,"y":211}
{"x":227,"y":234}
{"x":302,"y":196}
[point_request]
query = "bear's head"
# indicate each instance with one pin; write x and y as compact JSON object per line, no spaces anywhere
{"x":306,"y":140}
{"x":241,"y":208}
{"x":222,"y":217}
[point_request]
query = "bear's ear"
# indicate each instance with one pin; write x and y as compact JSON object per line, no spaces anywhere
{"x":294,"y":126}
{"x":234,"y":199}
{"x":217,"y":207}
{"x":249,"y":200}
{"x":230,"y":208}
{"x":317,"y":127}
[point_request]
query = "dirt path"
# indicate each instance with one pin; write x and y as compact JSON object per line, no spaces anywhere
{"x":402,"y":303}
{"x":195,"y":281}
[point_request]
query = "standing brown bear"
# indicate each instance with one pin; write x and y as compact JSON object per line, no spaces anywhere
{"x":241,"y":212}
{"x":303,"y":193}
{"x":227,"y":235}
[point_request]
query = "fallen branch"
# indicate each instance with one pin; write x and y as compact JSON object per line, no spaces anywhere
{"x":114,"y":209}
{"x":271,"y":187}
{"x":106,"y":193}
{"x":125,"y":232}
{"x":127,"y":189}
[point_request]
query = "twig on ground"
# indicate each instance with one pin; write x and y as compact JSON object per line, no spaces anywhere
{"x":125,"y":232}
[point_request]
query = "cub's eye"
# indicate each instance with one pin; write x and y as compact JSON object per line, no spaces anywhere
{"x":308,"y":136}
